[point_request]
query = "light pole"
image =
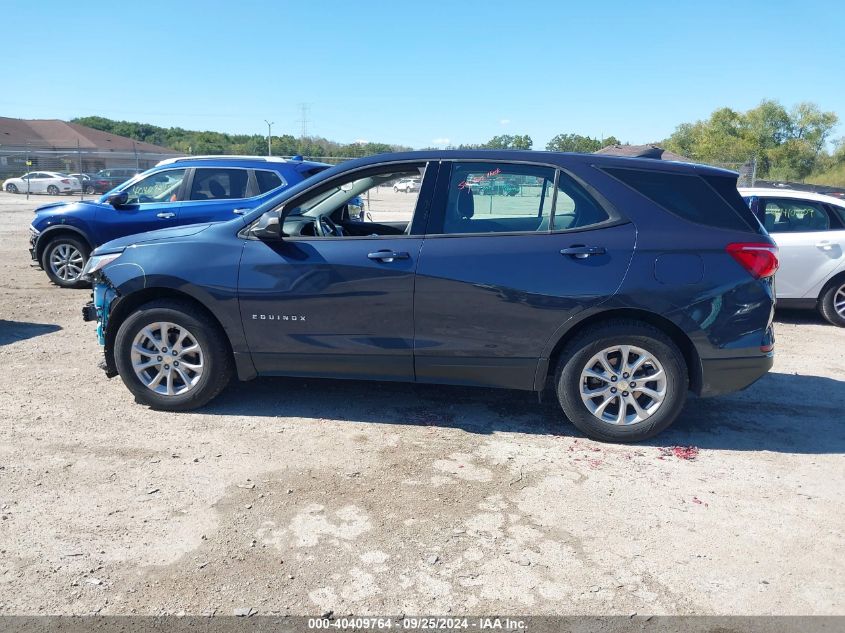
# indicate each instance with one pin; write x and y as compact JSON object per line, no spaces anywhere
{"x":269,"y":132}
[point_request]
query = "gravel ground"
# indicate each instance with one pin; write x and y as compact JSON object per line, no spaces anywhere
{"x":304,"y":496}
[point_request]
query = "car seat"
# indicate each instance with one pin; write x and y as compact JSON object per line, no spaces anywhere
{"x":216,"y":189}
{"x":769,"y":222}
{"x":817,"y":221}
{"x":459,"y":212}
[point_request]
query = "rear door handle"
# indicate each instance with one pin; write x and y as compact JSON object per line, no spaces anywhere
{"x":388,"y":256}
{"x":825,"y":246}
{"x":166,"y":215}
{"x":583,"y":252}
{"x":239,"y":211}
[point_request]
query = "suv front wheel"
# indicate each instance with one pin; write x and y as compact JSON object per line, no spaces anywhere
{"x":63,"y":260}
{"x":622,"y":381}
{"x":172,"y":356}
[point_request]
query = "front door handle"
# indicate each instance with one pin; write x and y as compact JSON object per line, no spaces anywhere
{"x":166,"y":215}
{"x":825,"y":245}
{"x":239,"y":211}
{"x":583,"y":252}
{"x":388,"y":256}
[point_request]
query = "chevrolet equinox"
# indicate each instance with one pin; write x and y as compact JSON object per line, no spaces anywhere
{"x":620,"y":283}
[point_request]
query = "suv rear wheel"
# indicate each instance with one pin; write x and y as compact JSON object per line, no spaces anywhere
{"x":63,"y":260}
{"x":172,"y":356}
{"x":622,"y":381}
{"x":832,"y":304}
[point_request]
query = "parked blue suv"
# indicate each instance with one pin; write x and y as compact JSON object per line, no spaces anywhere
{"x":622,"y":283}
{"x":177,"y":191}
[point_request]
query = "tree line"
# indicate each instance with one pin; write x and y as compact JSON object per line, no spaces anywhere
{"x":207,"y":142}
{"x":793,"y":145}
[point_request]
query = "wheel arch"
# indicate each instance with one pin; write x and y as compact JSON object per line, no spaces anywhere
{"x":678,"y":336}
{"x":57,"y":230}
{"x":125,"y":306}
{"x":838,"y":278}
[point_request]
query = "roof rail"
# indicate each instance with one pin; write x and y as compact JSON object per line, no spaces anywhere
{"x":268,"y":159}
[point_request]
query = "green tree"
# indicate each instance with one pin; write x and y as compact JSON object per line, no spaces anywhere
{"x":578,"y":143}
{"x":788,"y":145}
{"x":508,"y":141}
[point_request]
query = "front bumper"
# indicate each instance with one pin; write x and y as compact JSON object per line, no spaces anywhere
{"x":726,"y":375}
{"x":99,"y":307}
{"x":33,"y":241}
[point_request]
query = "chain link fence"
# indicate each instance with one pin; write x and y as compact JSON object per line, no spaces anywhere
{"x":88,"y":166}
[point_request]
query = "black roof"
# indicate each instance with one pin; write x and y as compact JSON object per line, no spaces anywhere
{"x":561,"y":159}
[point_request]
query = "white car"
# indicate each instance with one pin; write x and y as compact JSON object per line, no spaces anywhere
{"x":51,"y":182}
{"x":407,"y":185}
{"x":809,"y":229}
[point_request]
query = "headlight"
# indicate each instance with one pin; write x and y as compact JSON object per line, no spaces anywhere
{"x":96,"y":263}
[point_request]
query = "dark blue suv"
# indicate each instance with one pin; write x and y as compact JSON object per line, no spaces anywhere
{"x":176,"y":191}
{"x":622,"y":283}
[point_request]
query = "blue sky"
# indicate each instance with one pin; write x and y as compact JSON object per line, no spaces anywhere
{"x":420,"y":73}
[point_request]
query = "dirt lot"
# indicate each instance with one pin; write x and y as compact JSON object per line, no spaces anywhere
{"x":304,"y":496}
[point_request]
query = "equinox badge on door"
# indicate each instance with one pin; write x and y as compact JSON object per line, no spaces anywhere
{"x":278,"y":317}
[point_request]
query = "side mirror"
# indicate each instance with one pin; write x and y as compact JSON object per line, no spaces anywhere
{"x":268,"y":226}
{"x":119,"y":199}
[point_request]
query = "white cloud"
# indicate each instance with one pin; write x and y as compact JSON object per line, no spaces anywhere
{"x":361,"y":141}
{"x":441,"y":141}
{"x":504,"y":121}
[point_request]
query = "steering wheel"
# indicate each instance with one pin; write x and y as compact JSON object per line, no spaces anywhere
{"x":326,"y":228}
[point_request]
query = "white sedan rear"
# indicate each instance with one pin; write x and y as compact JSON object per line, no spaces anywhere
{"x":809,"y":229}
{"x":51,"y":182}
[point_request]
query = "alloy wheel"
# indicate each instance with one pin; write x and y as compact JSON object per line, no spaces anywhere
{"x":167,"y":358}
{"x":839,"y":301}
{"x":66,"y":262}
{"x":623,"y":385}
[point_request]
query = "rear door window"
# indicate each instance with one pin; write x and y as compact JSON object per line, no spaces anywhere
{"x":498,"y":198}
{"x":711,"y":200}
{"x":219,"y":184}
{"x":268,"y":180}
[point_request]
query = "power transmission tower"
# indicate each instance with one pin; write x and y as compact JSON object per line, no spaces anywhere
{"x":304,"y":109}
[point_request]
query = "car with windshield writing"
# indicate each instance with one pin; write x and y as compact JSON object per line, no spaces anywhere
{"x":809,"y":229}
{"x":177,"y":191}
{"x":620,"y":284}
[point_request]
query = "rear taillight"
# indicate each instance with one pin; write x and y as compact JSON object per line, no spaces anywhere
{"x":758,"y":258}
{"x":65,"y":181}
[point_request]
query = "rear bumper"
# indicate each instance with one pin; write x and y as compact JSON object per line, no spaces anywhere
{"x":725,"y":375}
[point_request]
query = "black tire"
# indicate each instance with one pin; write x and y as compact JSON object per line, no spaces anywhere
{"x":579,"y":351}
{"x":217,"y":359}
{"x":830,"y":298}
{"x":395,"y":189}
{"x":53,"y":190}
{"x":11,"y":188}
{"x":56,"y":275}
{"x":90,"y":190}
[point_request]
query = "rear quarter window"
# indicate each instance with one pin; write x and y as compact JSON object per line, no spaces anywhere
{"x":268,"y":180}
{"x":708,"y":200}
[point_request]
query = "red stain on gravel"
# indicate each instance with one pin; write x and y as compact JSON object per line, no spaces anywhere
{"x":688,"y":453}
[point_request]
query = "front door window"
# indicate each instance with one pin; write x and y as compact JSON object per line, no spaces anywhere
{"x":161,"y":187}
